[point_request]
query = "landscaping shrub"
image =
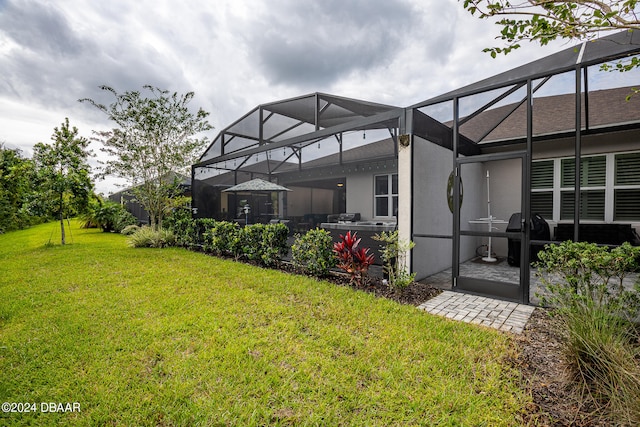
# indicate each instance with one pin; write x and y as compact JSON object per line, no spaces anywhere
{"x":274,"y":243}
{"x":393,"y":252}
{"x":201,"y":226}
{"x":224,"y":239}
{"x":251,"y":241}
{"x":189,"y":232}
{"x":313,"y":252}
{"x":129,"y":230}
{"x":110,"y":216}
{"x":598,"y":318}
{"x":147,"y":237}
{"x":352,"y":258}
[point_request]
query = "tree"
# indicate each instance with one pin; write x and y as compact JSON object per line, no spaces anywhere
{"x":62,"y":173}
{"x":543,"y":21}
{"x":153,"y":140}
{"x":16,"y":189}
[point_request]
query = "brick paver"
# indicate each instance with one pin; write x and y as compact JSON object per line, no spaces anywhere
{"x":503,"y":315}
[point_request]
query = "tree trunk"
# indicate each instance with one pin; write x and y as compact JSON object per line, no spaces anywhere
{"x":62,"y":228}
{"x":62,"y":220}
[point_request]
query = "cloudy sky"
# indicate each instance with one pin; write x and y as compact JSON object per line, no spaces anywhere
{"x":233,"y":54}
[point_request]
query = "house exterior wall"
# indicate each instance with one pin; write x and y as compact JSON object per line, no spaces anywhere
{"x":360,"y":194}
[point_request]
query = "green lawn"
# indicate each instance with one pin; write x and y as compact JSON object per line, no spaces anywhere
{"x":171,"y":337}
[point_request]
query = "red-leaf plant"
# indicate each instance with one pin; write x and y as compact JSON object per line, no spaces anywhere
{"x":353,"y":259}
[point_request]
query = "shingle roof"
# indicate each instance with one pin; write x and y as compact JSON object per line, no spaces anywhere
{"x":556,"y":114}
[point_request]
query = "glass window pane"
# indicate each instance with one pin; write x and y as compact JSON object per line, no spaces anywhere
{"x":627,"y":169}
{"x":592,"y":172}
{"x":394,"y":183}
{"x":395,"y":206}
{"x":626,"y":205}
{"x":568,"y":168}
{"x":542,"y":204}
{"x":382,"y":185}
{"x":382,"y":206}
{"x":542,"y":174}
{"x":591,"y":205}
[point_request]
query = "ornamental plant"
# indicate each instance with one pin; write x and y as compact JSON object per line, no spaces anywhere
{"x":224,"y":239}
{"x":598,"y":319}
{"x":393,"y":252}
{"x":312,"y":251}
{"x":352,"y":258}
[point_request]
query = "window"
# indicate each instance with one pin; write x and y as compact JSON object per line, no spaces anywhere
{"x":592,"y":187}
{"x":386,"y":195}
{"x":542,"y":188}
{"x":626,"y":193}
{"x":609,"y":187}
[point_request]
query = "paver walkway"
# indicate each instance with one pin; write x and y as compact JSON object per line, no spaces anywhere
{"x":502,"y":315}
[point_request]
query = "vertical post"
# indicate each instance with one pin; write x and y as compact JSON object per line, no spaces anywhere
{"x":525,"y":243}
{"x":455,"y":259}
{"x":578,"y":154}
{"x":260,"y":130}
{"x":317,"y":112}
{"x":404,"y":161}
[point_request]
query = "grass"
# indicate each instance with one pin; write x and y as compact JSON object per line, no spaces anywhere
{"x":172,"y":337}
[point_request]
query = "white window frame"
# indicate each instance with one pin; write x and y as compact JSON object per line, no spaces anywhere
{"x":388,"y":196}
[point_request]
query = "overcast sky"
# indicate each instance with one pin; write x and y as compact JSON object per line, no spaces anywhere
{"x":233,"y":54}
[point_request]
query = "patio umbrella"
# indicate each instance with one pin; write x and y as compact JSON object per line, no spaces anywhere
{"x":256,"y":185}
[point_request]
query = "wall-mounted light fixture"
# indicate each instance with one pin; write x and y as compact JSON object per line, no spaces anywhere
{"x":341,"y":184}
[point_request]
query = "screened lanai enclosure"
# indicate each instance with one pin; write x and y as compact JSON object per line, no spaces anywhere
{"x":338,"y":156}
{"x":554,"y":155}
{"x":479,"y":178}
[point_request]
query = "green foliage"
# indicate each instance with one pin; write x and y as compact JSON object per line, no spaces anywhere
{"x":353,"y":259}
{"x":189,"y":232}
{"x":583,"y":274}
{"x":224,"y":239}
{"x":263,"y":243}
{"x":153,"y":140}
{"x":598,"y":317}
{"x":62,"y":174}
{"x":180,"y":221}
{"x":545,"y":21}
{"x":145,"y":337}
{"x":251,"y":241}
{"x":107,"y":215}
{"x":274,"y":243}
{"x":129,"y":230}
{"x":147,"y":237}
{"x":313,"y":252}
{"x":16,"y":191}
{"x":394,"y":256}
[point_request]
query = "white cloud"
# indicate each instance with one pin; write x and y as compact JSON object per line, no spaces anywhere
{"x":234,"y":54}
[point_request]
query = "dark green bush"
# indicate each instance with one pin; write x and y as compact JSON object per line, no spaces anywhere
{"x":108,"y":215}
{"x":224,"y":239}
{"x":274,"y":243}
{"x":313,"y":251}
{"x":189,"y":232}
{"x":251,"y":241}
